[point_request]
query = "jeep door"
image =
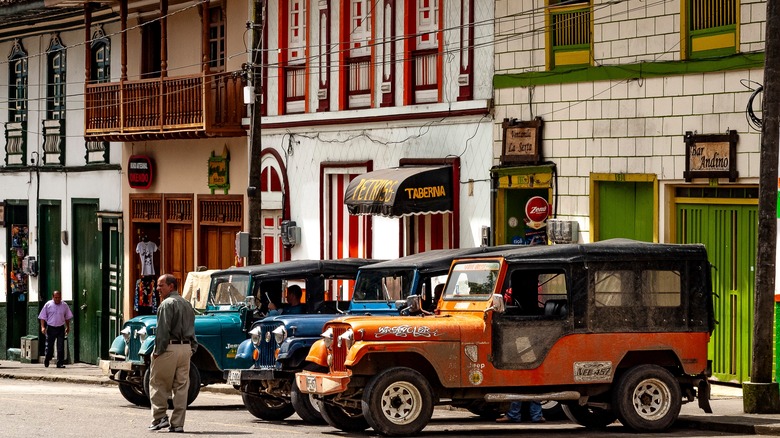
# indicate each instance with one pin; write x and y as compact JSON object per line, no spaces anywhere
{"x":538,"y":314}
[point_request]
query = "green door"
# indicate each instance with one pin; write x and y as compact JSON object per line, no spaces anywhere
{"x":87,"y":282}
{"x":112,"y":281}
{"x":50,"y":250}
{"x":625,"y":210}
{"x":729,"y":232}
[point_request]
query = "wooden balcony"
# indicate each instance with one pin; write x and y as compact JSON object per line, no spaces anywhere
{"x":196,"y":106}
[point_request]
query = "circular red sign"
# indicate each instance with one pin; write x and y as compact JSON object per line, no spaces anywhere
{"x":140,"y":172}
{"x":537,"y":209}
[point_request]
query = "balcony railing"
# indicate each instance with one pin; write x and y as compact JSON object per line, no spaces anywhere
{"x":195,"y":106}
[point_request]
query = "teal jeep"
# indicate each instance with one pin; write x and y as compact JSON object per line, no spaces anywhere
{"x":217,"y":328}
{"x":234,"y":302}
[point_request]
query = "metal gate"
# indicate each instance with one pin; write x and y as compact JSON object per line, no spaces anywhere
{"x":729,"y":232}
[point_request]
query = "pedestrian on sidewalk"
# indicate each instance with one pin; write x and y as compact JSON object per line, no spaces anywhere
{"x":514,"y":415}
{"x":55,"y":325}
{"x":174,"y":346}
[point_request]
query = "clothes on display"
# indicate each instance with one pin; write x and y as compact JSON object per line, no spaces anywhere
{"x":146,"y":299}
{"x":146,"y":250}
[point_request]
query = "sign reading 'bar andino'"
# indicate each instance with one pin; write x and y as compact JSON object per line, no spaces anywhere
{"x":401,"y":191}
{"x":711,"y":156}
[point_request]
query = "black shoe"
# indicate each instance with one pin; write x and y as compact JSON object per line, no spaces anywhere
{"x":46,"y":363}
{"x":60,"y":366}
{"x":176,"y":429}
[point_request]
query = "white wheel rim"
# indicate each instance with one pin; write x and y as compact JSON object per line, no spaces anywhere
{"x":315,"y":403}
{"x":652,"y":399}
{"x":401,"y":403}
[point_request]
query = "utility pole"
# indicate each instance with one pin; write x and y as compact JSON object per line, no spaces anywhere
{"x":761,"y":394}
{"x":255,"y":134}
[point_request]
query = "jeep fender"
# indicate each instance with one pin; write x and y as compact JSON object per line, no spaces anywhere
{"x":246,"y":350}
{"x":318,"y":354}
{"x":118,"y":346}
{"x":147,"y":346}
{"x":295,"y":350}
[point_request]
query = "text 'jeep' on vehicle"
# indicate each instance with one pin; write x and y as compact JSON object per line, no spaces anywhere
{"x":280,"y":344}
{"x":613,"y":330}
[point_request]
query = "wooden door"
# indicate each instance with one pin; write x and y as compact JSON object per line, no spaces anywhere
{"x":87,"y":283}
{"x":217,"y":246}
{"x":626,"y":209}
{"x":179,"y":251}
{"x":113,"y":257}
{"x":730,"y":234}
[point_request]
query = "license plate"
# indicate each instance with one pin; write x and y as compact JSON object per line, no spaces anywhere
{"x":311,"y":384}
{"x":234,"y":378}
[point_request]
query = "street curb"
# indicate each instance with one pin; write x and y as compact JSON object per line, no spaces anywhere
{"x":103,"y":381}
{"x":60,"y":378}
{"x":729,"y":425}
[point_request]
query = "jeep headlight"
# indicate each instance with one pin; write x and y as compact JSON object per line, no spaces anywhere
{"x":255,"y":332}
{"x":126,"y":334}
{"x":327,"y":336}
{"x":347,"y":338}
{"x":141,"y":334}
{"x":280,"y":334}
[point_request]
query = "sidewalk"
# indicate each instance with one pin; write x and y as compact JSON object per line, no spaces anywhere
{"x":75,"y":373}
{"x":726,"y":401}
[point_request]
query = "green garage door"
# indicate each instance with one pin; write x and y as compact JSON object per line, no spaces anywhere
{"x":729,"y":232}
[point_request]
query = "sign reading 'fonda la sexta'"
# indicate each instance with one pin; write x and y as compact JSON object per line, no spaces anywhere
{"x":711,"y":156}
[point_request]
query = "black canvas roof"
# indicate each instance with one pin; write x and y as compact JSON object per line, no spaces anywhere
{"x":301,"y":268}
{"x":605,"y":250}
{"x":433,"y":260}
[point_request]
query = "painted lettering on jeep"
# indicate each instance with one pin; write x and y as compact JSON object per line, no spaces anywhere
{"x":592,"y":371}
{"x":403,"y":331}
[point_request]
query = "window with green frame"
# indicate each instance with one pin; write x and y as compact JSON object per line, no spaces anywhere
{"x":711,"y":27}
{"x":569,"y":36}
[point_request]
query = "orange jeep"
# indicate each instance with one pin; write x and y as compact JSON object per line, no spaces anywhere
{"x":612,"y":330}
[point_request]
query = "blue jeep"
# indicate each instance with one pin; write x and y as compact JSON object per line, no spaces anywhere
{"x":233,"y":303}
{"x":279,"y":344}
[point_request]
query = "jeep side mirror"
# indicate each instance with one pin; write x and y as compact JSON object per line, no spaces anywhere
{"x":411,"y":305}
{"x":497,"y":305}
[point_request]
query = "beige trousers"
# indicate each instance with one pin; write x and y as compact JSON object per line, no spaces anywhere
{"x":170,"y":376}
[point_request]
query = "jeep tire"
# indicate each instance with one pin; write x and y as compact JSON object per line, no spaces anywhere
{"x":647,"y":399}
{"x":133,"y":393}
{"x":306,"y":406}
{"x":590,"y":417}
{"x":265,"y":407}
{"x":398,"y":402}
{"x":348,"y":420}
{"x":192,"y":392}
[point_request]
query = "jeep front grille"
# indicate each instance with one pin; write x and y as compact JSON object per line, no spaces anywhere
{"x":339,"y":352}
{"x":268,"y":345}
{"x":135,"y":342}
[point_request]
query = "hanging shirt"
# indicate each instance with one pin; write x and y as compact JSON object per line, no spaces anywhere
{"x":146,"y":251}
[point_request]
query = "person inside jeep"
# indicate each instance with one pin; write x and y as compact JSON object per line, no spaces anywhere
{"x":294,"y":305}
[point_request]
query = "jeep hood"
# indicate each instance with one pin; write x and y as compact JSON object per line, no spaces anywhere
{"x":411,"y":328}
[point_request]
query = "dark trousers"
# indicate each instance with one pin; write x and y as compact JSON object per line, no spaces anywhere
{"x":55,"y":334}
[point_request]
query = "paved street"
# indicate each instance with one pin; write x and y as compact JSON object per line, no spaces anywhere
{"x":43,"y":408}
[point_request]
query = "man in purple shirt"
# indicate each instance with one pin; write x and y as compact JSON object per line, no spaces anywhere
{"x":55,"y":324}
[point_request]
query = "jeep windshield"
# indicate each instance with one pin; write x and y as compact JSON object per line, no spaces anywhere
{"x":473,"y":280}
{"x":228,"y":290}
{"x":383,"y":285}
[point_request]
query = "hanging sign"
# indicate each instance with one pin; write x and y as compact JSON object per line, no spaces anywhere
{"x":711,"y":156}
{"x":139,"y":172}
